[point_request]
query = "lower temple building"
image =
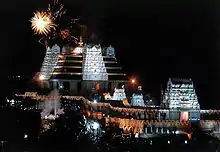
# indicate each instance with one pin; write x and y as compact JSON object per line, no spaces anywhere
{"x":78,"y":70}
{"x":178,"y":110}
{"x":134,"y":113}
{"x":181,"y":100}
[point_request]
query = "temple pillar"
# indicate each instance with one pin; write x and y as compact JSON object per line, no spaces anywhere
{"x":159,"y":116}
{"x":55,"y":85}
{"x":146,"y":130}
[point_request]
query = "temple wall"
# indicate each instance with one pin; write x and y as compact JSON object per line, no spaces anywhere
{"x":79,"y":87}
{"x":105,"y":86}
{"x":174,"y":115}
{"x":145,"y":126}
{"x":73,"y":87}
{"x":210,"y":125}
{"x":44,"y":84}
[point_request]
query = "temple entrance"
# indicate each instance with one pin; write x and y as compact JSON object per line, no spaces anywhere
{"x":184,"y":116}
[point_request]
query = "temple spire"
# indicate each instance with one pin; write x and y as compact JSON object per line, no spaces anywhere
{"x":80,"y":41}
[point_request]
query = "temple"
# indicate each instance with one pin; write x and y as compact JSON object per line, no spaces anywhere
{"x":76,"y":70}
{"x":119,"y":94}
{"x":180,"y":97}
{"x":49,"y":63}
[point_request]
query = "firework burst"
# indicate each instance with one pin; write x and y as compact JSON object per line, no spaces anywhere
{"x":42,"y":23}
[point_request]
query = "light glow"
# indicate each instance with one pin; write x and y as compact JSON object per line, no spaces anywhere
{"x":42,"y":23}
{"x":133,"y":81}
{"x":25,"y":136}
{"x":184,"y":116}
{"x":42,"y":77}
{"x":92,"y":125}
{"x":95,"y":125}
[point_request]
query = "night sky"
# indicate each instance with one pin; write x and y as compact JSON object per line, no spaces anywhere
{"x":154,"y":40}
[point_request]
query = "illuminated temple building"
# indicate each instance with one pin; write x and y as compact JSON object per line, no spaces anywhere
{"x":133,"y":112}
{"x":179,"y":108}
{"x":77,"y":70}
{"x":90,"y":68}
{"x":180,"y":97}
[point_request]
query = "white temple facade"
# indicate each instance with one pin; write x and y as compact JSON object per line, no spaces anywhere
{"x":119,"y":94}
{"x":110,"y":51}
{"x":180,"y":96}
{"x":76,"y":70}
{"x":93,"y":64}
{"x":137,"y":100}
{"x":49,"y":63}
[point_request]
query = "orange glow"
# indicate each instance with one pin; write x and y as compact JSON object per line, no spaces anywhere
{"x":42,"y":23}
{"x":184,"y":116}
{"x":99,"y":115}
{"x":89,"y":114}
{"x":42,"y":77}
{"x":133,"y":81}
{"x":189,"y":136}
{"x":125,"y":102}
{"x":97,"y":86}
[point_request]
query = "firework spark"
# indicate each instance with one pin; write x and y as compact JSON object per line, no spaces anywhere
{"x":42,"y":23}
{"x":56,"y":9}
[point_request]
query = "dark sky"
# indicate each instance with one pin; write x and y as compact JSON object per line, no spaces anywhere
{"x":154,"y":40}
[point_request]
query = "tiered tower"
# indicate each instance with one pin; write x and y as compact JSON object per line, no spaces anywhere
{"x":93,"y":64}
{"x":180,"y":97}
{"x":138,"y":98}
{"x":49,"y":63}
{"x":76,"y":70}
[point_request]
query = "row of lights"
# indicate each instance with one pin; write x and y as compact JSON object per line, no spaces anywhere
{"x":133,"y":80}
{"x":168,"y":142}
